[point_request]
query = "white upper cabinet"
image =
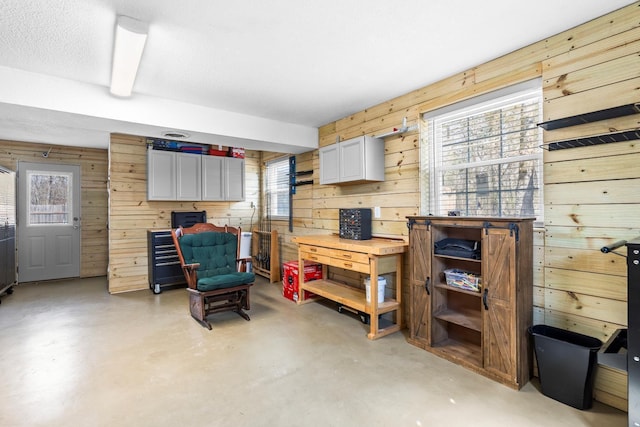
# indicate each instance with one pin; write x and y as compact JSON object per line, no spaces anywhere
{"x":353,"y":160}
{"x":222,"y":178}
{"x":188,"y":176}
{"x":161,"y":175}
{"x":213,"y":178}
{"x":184,"y":176}
{"x":329,"y":160}
{"x":235,"y":179}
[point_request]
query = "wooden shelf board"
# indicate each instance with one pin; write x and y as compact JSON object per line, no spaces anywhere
{"x":461,"y":351}
{"x":454,"y":289}
{"x":456,"y":258}
{"x":347,"y":295}
{"x":470,"y":319}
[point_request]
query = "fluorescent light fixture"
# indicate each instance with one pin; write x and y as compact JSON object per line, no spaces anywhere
{"x":131,"y":36}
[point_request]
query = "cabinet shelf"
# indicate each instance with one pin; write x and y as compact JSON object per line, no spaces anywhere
{"x":468,"y":318}
{"x":462,"y":351}
{"x":479,"y":261}
{"x":460,"y":290}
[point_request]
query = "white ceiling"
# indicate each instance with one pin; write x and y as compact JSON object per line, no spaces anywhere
{"x":255,"y":73}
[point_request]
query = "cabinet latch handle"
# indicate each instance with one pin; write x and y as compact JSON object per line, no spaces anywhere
{"x":484,"y":299}
{"x":426,"y":285}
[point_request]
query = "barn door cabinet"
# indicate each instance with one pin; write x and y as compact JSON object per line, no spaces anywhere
{"x":354,"y":160}
{"x":485,"y":330}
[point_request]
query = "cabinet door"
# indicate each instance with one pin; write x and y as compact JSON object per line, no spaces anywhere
{"x":329,"y":164}
{"x":188,"y":176}
{"x":499,"y":293}
{"x":161,"y":175}
{"x":235,"y":179}
{"x":352,"y":164}
{"x":420,"y":282}
{"x":213,"y":181}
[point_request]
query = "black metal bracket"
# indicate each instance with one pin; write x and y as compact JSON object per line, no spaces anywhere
{"x":513,"y":229}
{"x":412,"y":221}
{"x":629,"y":135}
{"x":293,"y":184}
{"x":596,"y":116}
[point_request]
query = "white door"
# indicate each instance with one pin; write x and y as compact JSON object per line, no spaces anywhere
{"x":48,"y":221}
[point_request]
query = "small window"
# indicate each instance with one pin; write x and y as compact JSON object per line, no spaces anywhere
{"x":277,"y":188}
{"x":485,"y":157}
{"x":49,"y":198}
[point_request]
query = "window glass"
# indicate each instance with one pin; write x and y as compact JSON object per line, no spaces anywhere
{"x":49,"y":198}
{"x":277,"y":188}
{"x":485,"y":159}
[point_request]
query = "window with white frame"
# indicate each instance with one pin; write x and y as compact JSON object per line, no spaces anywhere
{"x":483,"y":157}
{"x":277,"y":188}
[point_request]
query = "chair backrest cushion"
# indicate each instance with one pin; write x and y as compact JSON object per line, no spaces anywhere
{"x":216,"y":253}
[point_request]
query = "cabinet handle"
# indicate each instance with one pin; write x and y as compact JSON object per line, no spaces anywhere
{"x":348,"y":264}
{"x":484,"y":299}
{"x":426,"y":285}
{"x":348,"y":256}
{"x":313,"y":250}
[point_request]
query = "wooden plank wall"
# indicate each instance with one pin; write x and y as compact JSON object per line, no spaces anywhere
{"x":131,"y":215}
{"x":591,"y":194}
{"x":93,"y":175}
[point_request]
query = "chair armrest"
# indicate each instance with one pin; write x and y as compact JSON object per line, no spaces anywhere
{"x":191,"y":271}
{"x":193,"y":266}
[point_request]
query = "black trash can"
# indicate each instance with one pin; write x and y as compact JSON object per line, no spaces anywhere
{"x":566,"y":364}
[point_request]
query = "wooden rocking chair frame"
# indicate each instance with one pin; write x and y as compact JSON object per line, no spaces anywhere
{"x":204,"y":303}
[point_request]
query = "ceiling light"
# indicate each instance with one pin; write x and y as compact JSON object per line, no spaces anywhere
{"x":131,"y":36}
{"x":175,"y":134}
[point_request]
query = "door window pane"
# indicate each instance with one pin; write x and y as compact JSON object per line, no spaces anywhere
{"x":50,"y":199}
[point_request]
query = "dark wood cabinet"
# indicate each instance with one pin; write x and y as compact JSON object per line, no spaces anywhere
{"x":483,"y":329}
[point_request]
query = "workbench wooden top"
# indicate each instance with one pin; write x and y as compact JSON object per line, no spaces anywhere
{"x":374,"y":246}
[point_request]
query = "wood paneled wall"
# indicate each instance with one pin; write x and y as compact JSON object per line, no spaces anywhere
{"x":131,"y":215}
{"x":93,"y":175}
{"x":591,"y":193}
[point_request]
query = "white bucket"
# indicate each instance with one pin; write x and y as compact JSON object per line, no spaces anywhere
{"x":382,"y":282}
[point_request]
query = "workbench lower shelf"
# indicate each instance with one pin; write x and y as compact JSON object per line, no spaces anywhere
{"x":347,"y":295}
{"x":372,"y":257}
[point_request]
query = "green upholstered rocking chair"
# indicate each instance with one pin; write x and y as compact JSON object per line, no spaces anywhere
{"x":217,"y":279}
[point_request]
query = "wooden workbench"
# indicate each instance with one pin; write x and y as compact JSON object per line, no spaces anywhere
{"x":372,"y":257}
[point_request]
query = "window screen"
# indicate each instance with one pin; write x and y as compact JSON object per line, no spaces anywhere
{"x":485,"y":159}
{"x":277,"y":188}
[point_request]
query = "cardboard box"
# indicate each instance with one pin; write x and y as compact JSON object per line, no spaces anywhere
{"x":219,"y":153}
{"x":290,"y":275}
{"x":237,"y":153}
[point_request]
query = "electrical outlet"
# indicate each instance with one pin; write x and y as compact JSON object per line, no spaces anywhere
{"x":253,"y":205}
{"x":376,"y":212}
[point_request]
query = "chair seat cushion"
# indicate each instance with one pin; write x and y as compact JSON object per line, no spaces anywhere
{"x":223,"y":281}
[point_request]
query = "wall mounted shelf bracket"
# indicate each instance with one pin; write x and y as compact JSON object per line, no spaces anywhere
{"x":596,"y":116}
{"x":396,"y":131}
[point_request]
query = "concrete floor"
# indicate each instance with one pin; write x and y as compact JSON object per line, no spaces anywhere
{"x":73,"y":355}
